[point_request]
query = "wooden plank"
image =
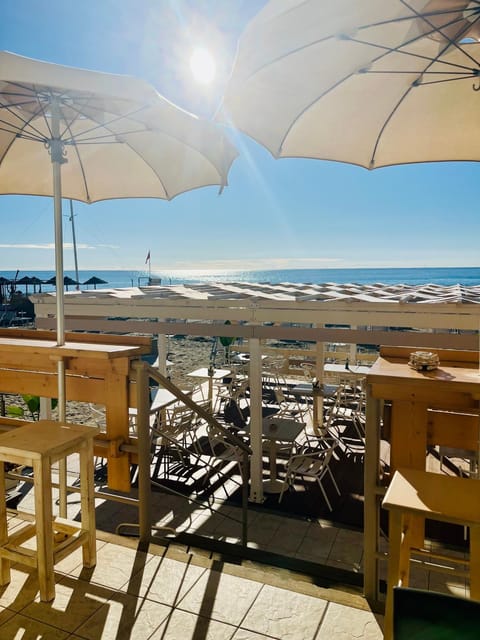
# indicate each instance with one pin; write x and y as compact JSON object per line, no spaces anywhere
{"x":417,"y":340}
{"x":408,"y":435}
{"x":116,"y":411}
{"x":43,"y":517}
{"x":445,"y":355}
{"x":100,"y":338}
{"x":89,"y":552}
{"x":457,"y":430}
{"x":448,"y":400}
{"x":46,"y":386}
{"x":69,"y":349}
{"x":4,"y":563}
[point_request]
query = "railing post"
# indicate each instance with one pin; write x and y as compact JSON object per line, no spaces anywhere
{"x":245,"y":478}
{"x":143,"y":433}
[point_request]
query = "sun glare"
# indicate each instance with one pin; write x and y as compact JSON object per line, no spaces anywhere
{"x":202,"y":66}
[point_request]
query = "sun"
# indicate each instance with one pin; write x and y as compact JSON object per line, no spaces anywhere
{"x":202,"y":66}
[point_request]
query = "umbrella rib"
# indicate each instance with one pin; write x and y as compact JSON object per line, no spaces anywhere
{"x":24,"y":136}
{"x":399,"y":48}
{"x":107,"y":123}
{"x":385,"y":124}
{"x":440,"y":30}
{"x":386,"y":51}
{"x":74,"y":142}
{"x":424,"y":84}
{"x":366,"y":26}
{"x":25,"y":123}
{"x":439,"y":12}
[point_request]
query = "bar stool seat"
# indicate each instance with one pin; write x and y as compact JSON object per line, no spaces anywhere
{"x":434,"y":496}
{"x":39,"y":445}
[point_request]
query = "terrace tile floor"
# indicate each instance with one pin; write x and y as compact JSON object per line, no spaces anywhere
{"x":166,"y":593}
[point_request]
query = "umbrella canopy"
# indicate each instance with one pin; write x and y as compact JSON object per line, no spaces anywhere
{"x":372,"y":83}
{"x":94,"y":280}
{"x":115,"y":136}
{"x":91,"y":136}
{"x":66,"y":280}
{"x":26,"y":280}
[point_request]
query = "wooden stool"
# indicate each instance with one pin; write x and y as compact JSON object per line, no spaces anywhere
{"x":436,"y":497}
{"x":39,"y":445}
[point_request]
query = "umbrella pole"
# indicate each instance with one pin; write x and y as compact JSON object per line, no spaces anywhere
{"x":56,"y":151}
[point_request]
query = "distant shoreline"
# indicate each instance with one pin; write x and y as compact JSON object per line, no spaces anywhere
{"x":447,"y":276}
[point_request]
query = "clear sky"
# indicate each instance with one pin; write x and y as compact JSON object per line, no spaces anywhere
{"x":274,"y":213}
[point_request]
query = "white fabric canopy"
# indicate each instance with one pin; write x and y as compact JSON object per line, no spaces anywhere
{"x":374,"y":83}
{"x":108,"y":136}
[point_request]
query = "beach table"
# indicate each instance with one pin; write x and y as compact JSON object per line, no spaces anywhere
{"x":277,"y":430}
{"x":413,"y":410}
{"x":210,"y":374}
{"x":161,"y":401}
{"x":306,"y":390}
{"x":354,"y":371}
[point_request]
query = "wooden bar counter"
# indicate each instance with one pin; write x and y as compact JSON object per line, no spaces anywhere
{"x":413,"y":410}
{"x":98,"y":370}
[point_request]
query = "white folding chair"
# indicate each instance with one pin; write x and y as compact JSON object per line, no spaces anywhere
{"x":311,"y":464}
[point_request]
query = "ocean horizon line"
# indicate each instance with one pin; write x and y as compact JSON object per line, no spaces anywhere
{"x":122,"y":278}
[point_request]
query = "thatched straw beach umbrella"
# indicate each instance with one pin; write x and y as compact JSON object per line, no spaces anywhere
{"x":94,"y":280}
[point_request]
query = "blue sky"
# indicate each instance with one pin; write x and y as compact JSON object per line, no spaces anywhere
{"x":274,"y":213}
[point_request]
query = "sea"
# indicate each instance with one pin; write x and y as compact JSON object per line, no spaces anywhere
{"x":467,"y":276}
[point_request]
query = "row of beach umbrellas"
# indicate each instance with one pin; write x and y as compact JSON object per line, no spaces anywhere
{"x":33,"y":280}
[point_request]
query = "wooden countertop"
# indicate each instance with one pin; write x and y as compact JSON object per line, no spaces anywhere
{"x":96,"y":350}
{"x":392,"y":367}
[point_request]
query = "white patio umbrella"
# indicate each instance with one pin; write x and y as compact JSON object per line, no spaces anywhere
{"x":106,"y":136}
{"x":373,"y":83}
{"x":368,"y":82}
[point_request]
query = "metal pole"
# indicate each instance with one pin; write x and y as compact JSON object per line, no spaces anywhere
{"x":56,"y":153}
{"x":77,"y":286}
{"x":143,"y":432}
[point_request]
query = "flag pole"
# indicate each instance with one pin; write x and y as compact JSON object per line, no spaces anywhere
{"x":149,"y":266}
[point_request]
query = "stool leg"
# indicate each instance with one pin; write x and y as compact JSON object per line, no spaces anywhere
{"x":4,"y":563}
{"x":44,"y":528}
{"x":398,"y":562}
{"x":475,"y":562}
{"x":89,"y":549}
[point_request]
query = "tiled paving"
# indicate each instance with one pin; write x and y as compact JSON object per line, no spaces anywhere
{"x":184,"y":592}
{"x":169,"y":594}
{"x":188,"y":592}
